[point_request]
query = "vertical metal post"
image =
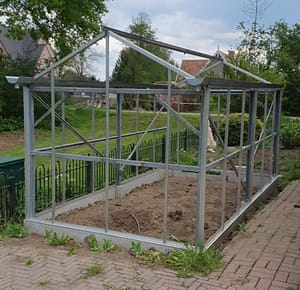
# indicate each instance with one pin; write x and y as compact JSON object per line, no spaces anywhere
{"x":167,"y":150}
{"x":137,"y":126}
{"x":93,"y":137}
{"x":106,"y":221}
{"x":218,"y":124}
{"x":177,"y":132}
{"x":29,"y":147}
{"x":251,"y":139}
{"x":201,"y":176}
{"x":119,"y":133}
{"x":154,"y":134}
{"x":224,"y":179}
{"x":276,"y":127}
{"x":53,"y":173}
{"x":263,"y":135}
{"x":241,"y":151}
{"x":63,"y":139}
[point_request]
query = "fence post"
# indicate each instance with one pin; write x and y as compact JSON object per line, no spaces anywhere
{"x":133,"y":157}
{"x":89,"y":176}
{"x":12,"y":196}
{"x":163,"y":148}
{"x":185,"y":140}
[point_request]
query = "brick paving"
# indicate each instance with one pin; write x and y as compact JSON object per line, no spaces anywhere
{"x":265,"y":256}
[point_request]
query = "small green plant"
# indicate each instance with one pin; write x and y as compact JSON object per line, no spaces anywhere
{"x":135,"y":249}
{"x":54,"y":240}
{"x":13,"y":230}
{"x":44,"y":282}
{"x":242,"y":227}
{"x":71,"y":251}
{"x":93,"y":271}
{"x":259,"y":206}
{"x":29,"y":262}
{"x":194,"y":259}
{"x":106,"y":246}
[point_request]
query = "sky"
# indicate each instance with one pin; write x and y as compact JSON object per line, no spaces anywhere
{"x":202,"y":25}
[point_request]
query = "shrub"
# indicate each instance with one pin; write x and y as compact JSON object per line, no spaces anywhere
{"x":235,"y":128}
{"x":290,"y":133}
{"x":10,"y":125}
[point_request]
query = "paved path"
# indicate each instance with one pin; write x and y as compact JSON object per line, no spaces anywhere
{"x":265,"y":256}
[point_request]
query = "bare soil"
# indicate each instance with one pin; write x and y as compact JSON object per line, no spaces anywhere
{"x":141,"y":210}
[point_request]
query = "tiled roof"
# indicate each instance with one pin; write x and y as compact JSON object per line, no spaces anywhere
{"x":25,"y":47}
{"x":193,"y":66}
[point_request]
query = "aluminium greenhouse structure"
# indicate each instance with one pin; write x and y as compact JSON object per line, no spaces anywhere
{"x":252,"y":163}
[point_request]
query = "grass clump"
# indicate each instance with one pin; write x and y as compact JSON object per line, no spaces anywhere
{"x":54,"y":240}
{"x":13,"y":230}
{"x":188,"y":261}
{"x":106,"y":246}
{"x":193,"y":260}
{"x":93,"y":271}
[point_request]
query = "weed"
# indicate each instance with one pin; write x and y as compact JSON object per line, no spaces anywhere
{"x":135,"y":249}
{"x":259,"y":206}
{"x":242,"y":227}
{"x":93,"y":243}
{"x":44,"y":282}
{"x":193,"y":260}
{"x":93,"y":271}
{"x":242,"y":281}
{"x":71,"y":251}
{"x":13,"y":230}
{"x":55,"y":240}
{"x":137,"y":278}
{"x":107,"y":245}
{"x":29,"y":262}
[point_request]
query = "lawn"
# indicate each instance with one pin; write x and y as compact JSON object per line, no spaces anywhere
{"x":80,"y":118}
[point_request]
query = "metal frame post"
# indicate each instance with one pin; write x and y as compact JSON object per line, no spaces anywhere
{"x":201,"y":178}
{"x":224,"y":179}
{"x":167,"y":154}
{"x":251,"y":140}
{"x":63,"y":139}
{"x":29,"y":147}
{"x":53,"y":171}
{"x":276,"y":127}
{"x":106,"y":221}
{"x":119,"y":141}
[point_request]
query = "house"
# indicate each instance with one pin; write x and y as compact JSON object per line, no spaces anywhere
{"x":39,"y":51}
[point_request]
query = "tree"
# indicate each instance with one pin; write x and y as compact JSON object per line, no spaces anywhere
{"x":11,"y":100}
{"x":283,"y":53}
{"x":66,"y":24}
{"x":253,"y":34}
{"x":80,"y":66}
{"x":134,"y":67}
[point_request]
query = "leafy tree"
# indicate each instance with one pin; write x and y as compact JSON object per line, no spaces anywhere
{"x":134,"y":67}
{"x":283,"y":53}
{"x":65,"y":23}
{"x":11,"y":100}
{"x":253,"y":32}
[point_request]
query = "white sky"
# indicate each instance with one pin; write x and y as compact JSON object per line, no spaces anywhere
{"x":201,"y":25}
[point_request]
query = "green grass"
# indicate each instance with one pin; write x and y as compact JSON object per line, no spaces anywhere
{"x":80,"y":118}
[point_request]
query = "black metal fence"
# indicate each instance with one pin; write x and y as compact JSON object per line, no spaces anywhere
{"x":74,"y":178}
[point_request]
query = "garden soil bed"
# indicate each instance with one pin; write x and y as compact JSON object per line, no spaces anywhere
{"x":141,"y":210}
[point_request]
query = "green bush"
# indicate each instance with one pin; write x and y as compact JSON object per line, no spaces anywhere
{"x":10,"y":125}
{"x":235,"y":128}
{"x":290,"y":133}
